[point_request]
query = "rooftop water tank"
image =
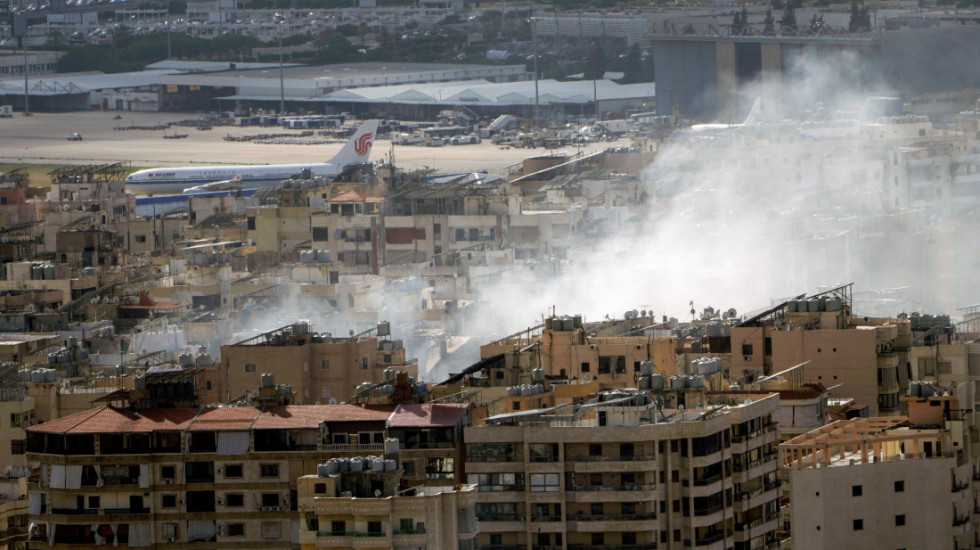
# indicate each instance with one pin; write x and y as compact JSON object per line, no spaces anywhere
{"x":646,"y":368}
{"x":791,"y":306}
{"x":656,"y":382}
{"x":268,"y":380}
{"x":677,"y":382}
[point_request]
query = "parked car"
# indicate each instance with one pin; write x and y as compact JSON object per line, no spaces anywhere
{"x":75,"y":136}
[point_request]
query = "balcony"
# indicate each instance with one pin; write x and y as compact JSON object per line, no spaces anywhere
{"x":353,"y":447}
{"x":712,"y":538}
{"x":504,"y":547}
{"x":547,"y":519}
{"x":615,"y":493}
{"x":598,"y":523}
{"x":647,"y":546}
{"x":496,"y":458}
{"x":499,"y":517}
{"x":760,"y":432}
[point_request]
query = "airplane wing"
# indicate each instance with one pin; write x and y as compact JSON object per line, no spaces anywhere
{"x":233,"y":184}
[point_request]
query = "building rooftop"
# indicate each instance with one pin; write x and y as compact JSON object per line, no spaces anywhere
{"x":864,"y":441}
{"x":427,"y":415}
{"x":109,"y":419}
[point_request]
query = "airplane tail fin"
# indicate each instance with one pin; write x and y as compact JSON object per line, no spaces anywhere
{"x":753,"y":113}
{"x":358,"y":148}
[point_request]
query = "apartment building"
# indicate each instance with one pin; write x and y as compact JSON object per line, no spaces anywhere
{"x":619,"y":471}
{"x":364,"y":506}
{"x":13,"y":513}
{"x":320,"y":368}
{"x":887,"y":482}
{"x":169,"y":477}
{"x":564,"y":348}
{"x":867,"y":356}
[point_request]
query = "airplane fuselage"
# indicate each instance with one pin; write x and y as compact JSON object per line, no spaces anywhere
{"x":176,"y":180}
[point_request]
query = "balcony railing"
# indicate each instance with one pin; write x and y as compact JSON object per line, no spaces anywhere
{"x":959,"y":486}
{"x":707,"y":480}
{"x":504,"y":547}
{"x":630,"y":487}
{"x":647,"y":546}
{"x":499,"y":517}
{"x":762,"y":431}
{"x":352,"y":447}
{"x":546,"y":518}
{"x":604,"y":458}
{"x":496,"y":458}
{"x":961,"y":520}
{"x":712,"y":538}
{"x":126,"y":510}
{"x":74,"y":511}
{"x":350,"y":533}
{"x":409,"y":531}
{"x":607,"y":517}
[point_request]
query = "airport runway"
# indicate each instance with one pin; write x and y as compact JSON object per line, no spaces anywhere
{"x":42,"y":139}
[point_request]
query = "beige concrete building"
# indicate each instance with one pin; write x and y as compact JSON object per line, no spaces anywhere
{"x":319,"y":367}
{"x":564,"y":349}
{"x":618,"y":471}
{"x":173,"y":477}
{"x":866,"y":357}
{"x":367,"y":509}
{"x":13,"y":513}
{"x":884,"y":482}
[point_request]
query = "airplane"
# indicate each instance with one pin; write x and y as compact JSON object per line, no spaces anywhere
{"x":357,"y":150}
{"x":750,"y":120}
{"x":234,"y":184}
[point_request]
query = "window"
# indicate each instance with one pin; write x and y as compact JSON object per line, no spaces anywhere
{"x":17,"y":446}
{"x":236,"y":529}
{"x":517,"y":405}
{"x":321,"y":234}
{"x":545,"y":483}
{"x":746,"y":349}
{"x":93,"y":502}
{"x":858,"y":524}
{"x":409,"y":468}
{"x":14,"y":420}
{"x":270,"y":470}
{"x":233,"y":470}
{"x":324,"y":364}
{"x":629,"y":508}
{"x":270,"y":499}
{"x":170,"y":531}
{"x":595,"y":449}
{"x":585,"y":367}
{"x":168,"y":472}
{"x":249,"y":368}
{"x":320,"y":488}
{"x":169,"y":501}
{"x":899,"y":520}
{"x":621,"y":364}
{"x":338,"y":527}
{"x":629,"y":538}
{"x":374,"y":527}
{"x":855,"y":490}
{"x":899,"y":486}
{"x":605,"y":363}
{"x":141,"y":238}
{"x":235,"y":500}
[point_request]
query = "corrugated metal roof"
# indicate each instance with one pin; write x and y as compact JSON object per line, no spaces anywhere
{"x":82,"y":83}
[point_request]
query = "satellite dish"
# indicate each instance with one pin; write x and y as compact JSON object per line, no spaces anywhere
{"x":377,"y":493}
{"x":332,"y":401}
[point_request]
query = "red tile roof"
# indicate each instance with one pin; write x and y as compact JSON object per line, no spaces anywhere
{"x":112,"y":420}
{"x":354,"y":196}
{"x":224,"y":418}
{"x":427,"y":415}
{"x":310,"y":416}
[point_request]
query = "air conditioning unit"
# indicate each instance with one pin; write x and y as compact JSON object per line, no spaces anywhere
{"x":221,"y":470}
{"x":168,"y":481}
{"x":170,"y":539}
{"x":221,"y":501}
{"x":747,"y":357}
{"x":269,"y":508}
{"x":181,"y":500}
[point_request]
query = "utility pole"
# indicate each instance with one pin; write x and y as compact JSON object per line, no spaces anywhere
{"x":27,"y":106}
{"x":282,"y":87}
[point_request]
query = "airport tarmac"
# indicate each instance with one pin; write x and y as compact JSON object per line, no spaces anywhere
{"x":42,"y":139}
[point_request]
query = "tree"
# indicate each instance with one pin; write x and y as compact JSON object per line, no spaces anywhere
{"x":860,"y":18}
{"x":788,"y":21}
{"x":745,"y":17}
{"x":769,"y":23}
{"x":737,"y":23}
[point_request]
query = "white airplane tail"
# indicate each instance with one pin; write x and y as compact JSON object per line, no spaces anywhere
{"x":753,"y":113}
{"x":357,"y":150}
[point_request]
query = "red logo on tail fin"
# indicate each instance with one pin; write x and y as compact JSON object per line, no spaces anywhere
{"x":363,"y":143}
